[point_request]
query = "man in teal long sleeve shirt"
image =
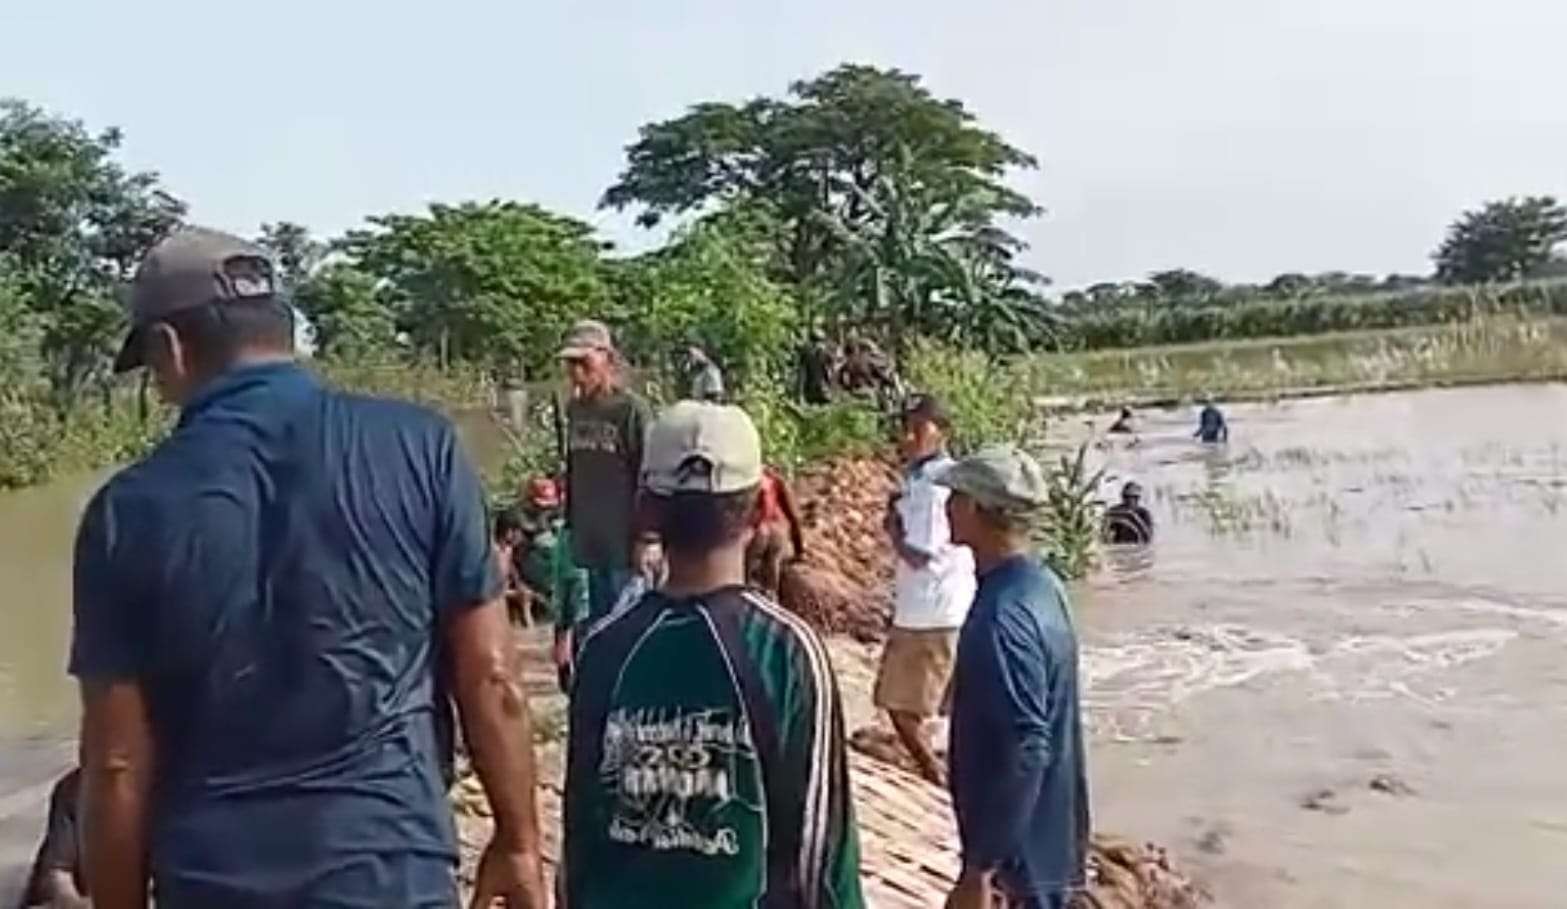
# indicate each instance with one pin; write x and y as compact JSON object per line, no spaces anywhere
{"x":1016,"y":762}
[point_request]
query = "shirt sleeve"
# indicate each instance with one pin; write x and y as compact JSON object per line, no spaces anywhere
{"x":466,"y":571}
{"x":815,"y":753}
{"x":110,"y":638}
{"x":1013,"y":673}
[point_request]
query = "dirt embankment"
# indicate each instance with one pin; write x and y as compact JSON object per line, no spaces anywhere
{"x":844,"y":587}
{"x":844,"y":583}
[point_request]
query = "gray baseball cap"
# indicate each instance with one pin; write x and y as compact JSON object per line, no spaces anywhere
{"x":585,"y":337}
{"x":193,"y":267}
{"x":699,"y":447}
{"x":1002,"y":478}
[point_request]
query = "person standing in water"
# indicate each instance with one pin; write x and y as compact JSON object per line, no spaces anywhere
{"x":1128,"y":521}
{"x":1211,"y":426}
{"x":934,"y":579}
{"x":1018,"y":777}
{"x":258,"y":607}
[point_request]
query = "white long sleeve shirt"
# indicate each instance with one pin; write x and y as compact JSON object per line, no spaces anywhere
{"x":939,"y":594}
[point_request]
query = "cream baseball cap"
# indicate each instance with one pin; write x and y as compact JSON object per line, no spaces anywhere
{"x":704,"y":448}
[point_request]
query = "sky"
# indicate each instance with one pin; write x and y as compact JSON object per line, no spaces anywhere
{"x":1241,"y":138}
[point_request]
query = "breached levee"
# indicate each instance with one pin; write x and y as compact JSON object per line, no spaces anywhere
{"x":844,"y":587}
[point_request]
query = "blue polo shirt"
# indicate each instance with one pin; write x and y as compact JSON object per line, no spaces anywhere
{"x":273,"y":575}
{"x":1017,"y":772}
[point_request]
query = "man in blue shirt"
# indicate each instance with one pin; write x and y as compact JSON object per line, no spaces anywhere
{"x":1211,"y":425}
{"x":258,"y":609}
{"x":1016,"y":756}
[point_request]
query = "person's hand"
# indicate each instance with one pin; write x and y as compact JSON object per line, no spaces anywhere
{"x":513,"y":878}
{"x":973,"y":891}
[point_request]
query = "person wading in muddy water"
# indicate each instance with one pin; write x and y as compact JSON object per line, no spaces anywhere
{"x":1128,"y":522}
{"x":258,"y":604}
{"x":1212,"y":428}
{"x":1019,"y":783}
{"x":706,"y":767}
{"x":605,"y":426}
{"x":934,"y":580}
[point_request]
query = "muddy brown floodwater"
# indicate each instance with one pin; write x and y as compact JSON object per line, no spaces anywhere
{"x":1337,"y":679}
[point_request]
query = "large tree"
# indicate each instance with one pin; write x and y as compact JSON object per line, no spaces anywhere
{"x":298,"y":254}
{"x":818,"y":158}
{"x":709,"y":286}
{"x":348,"y":319}
{"x":494,"y":284}
{"x":73,"y":226}
{"x":927,"y":260}
{"x":1182,"y":285}
{"x":1503,"y":241}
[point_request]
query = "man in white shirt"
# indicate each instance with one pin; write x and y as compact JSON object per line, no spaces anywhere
{"x":935,"y":586}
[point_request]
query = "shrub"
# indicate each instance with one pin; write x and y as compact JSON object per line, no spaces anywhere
{"x":991,"y":400}
{"x":795,"y":434}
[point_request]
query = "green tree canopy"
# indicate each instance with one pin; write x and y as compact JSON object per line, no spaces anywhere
{"x":708,"y":287}
{"x":1182,"y":285}
{"x":819,"y":152}
{"x":73,"y":226}
{"x":496,"y":283}
{"x":298,"y":254}
{"x":348,"y":319}
{"x":1503,"y":241}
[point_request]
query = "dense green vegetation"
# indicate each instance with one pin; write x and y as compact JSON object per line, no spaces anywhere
{"x":857,"y":203}
{"x":1137,"y":324}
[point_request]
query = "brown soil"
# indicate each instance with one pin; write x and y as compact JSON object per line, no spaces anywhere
{"x":844,"y":583}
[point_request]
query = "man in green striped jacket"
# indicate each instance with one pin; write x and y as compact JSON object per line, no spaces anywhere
{"x":706,"y":764}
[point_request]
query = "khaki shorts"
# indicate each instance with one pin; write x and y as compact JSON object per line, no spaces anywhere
{"x":915,"y":670}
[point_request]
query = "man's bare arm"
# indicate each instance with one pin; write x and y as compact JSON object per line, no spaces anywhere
{"x":791,"y":511}
{"x":117,"y":755}
{"x":495,"y":720}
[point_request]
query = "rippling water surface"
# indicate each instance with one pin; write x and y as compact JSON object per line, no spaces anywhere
{"x":1339,"y":677}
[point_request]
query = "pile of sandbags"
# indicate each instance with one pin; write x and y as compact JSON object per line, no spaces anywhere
{"x":844,"y":583}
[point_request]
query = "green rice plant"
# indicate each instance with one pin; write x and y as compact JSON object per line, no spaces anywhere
{"x":1072,"y":523}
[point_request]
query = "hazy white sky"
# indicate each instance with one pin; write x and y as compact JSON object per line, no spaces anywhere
{"x":1238,"y":137}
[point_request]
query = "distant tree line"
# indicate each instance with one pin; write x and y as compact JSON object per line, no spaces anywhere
{"x":857,"y":201}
